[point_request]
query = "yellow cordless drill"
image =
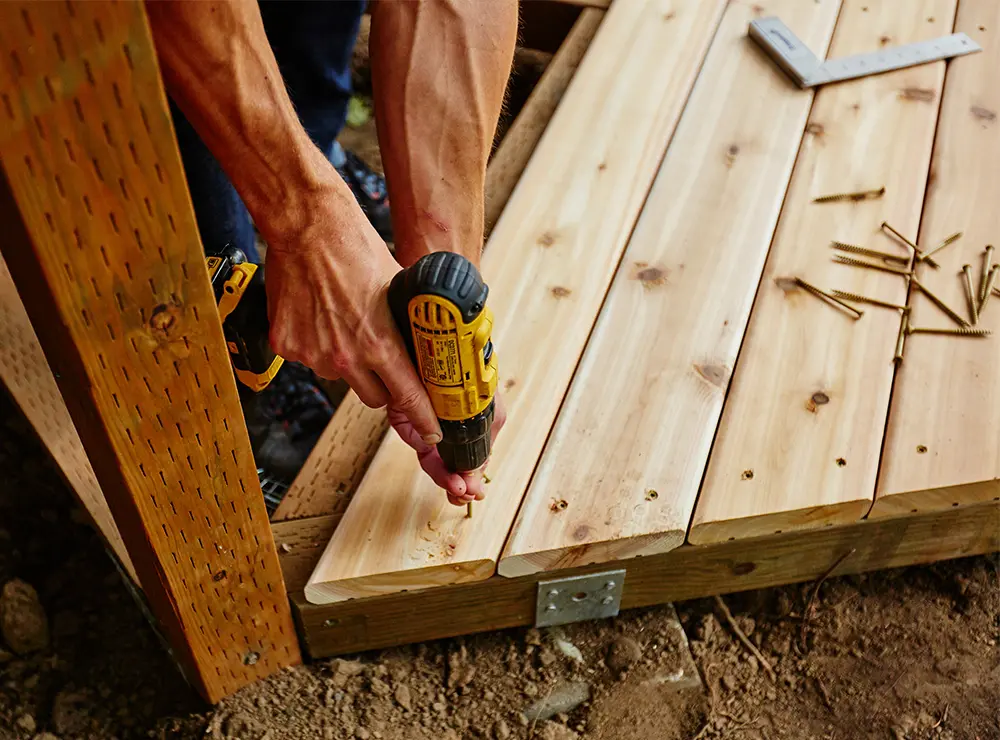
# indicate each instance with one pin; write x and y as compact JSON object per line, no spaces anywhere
{"x":439,"y":305}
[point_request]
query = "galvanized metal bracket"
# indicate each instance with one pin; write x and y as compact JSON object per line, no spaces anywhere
{"x":579,"y":598}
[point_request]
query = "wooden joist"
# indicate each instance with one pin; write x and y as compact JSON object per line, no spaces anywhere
{"x":942,"y":445}
{"x":685,"y":573}
{"x":800,"y":438}
{"x":100,"y":237}
{"x":549,"y":262}
{"x":629,"y":448}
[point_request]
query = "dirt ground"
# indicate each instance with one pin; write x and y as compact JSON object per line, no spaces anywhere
{"x":909,"y":653}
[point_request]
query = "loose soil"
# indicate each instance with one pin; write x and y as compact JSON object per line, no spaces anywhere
{"x":908,"y":653}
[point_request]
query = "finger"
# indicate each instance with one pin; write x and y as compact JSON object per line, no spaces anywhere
{"x":475,"y":485}
{"x":369,"y":389}
{"x":499,"y":416}
{"x":410,"y":398}
{"x":454,"y":484}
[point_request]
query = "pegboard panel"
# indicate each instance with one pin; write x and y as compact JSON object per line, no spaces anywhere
{"x":105,"y":251}
{"x":27,"y":376}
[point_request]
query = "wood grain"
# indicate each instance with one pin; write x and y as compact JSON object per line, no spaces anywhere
{"x":549,"y":262}
{"x":511,"y":157}
{"x":27,"y":376}
{"x":801,"y":433}
{"x":100,"y":237}
{"x":344,"y":451}
{"x":685,"y":573}
{"x":629,"y":448}
{"x":942,"y":444}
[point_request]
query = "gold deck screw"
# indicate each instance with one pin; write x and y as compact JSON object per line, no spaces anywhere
{"x":916,"y":250}
{"x":855,"y":249}
{"x":948,"y":240}
{"x":849,"y":309}
{"x":970,"y":294}
{"x":468,"y":510}
{"x":984,"y":277}
{"x":858,"y":298}
{"x":904,"y":322}
{"x":841,"y":259}
{"x":860,"y":195}
{"x":965,"y":332}
{"x":941,"y":304}
{"x":990,"y":283}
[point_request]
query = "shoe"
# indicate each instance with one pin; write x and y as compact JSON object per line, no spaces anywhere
{"x":285,"y":422}
{"x":368,"y":187}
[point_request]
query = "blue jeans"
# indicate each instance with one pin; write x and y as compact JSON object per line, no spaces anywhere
{"x":312,"y":42}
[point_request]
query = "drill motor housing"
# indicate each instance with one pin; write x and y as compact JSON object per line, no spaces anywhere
{"x":439,"y":305}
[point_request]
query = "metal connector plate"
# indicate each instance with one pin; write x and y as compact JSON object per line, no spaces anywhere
{"x":579,"y":598}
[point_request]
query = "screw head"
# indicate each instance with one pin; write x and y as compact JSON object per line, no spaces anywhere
{"x":610,"y":585}
{"x":607,"y":600}
{"x":553,"y":593}
{"x":551,"y":608}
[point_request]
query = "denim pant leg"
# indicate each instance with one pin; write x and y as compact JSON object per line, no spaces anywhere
{"x":312,"y":42}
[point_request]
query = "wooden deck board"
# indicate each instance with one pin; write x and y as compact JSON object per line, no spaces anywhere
{"x":942,"y":443}
{"x":801,"y":435}
{"x":632,"y":439}
{"x":549,"y":262}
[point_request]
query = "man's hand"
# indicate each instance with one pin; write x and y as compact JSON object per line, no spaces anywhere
{"x":327,"y":304}
{"x":462,"y":488}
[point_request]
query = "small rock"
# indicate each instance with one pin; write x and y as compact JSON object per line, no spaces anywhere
{"x":45,"y":736}
{"x":533,"y":637}
{"x":556,"y":731}
{"x":69,"y":715}
{"x":568,"y":649}
{"x":489,"y":695}
{"x":530,"y":689}
{"x":347,"y":667}
{"x":26,"y":722}
{"x":501,"y":730}
{"x":362,"y":734}
{"x":546,"y":657}
{"x":23,"y":624}
{"x":564,"y":698}
{"x":438,"y":707}
{"x":380,"y":687}
{"x":402,"y":695}
{"x":729,"y":682}
{"x":623,"y":653}
{"x":466,"y":676}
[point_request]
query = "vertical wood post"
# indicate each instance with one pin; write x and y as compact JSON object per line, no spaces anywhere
{"x":97,"y":228}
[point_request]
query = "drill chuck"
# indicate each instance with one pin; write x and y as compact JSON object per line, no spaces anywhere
{"x":439,"y":305}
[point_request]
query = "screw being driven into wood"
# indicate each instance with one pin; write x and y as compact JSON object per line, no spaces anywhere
{"x":941,"y":304}
{"x":860,"y":195}
{"x":965,"y":332}
{"x":468,"y":510}
{"x":970,"y":294}
{"x":916,"y":250}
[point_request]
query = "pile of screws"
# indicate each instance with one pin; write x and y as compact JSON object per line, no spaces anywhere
{"x":905,"y":267}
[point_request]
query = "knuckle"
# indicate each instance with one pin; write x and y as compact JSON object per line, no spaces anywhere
{"x":409,"y":400}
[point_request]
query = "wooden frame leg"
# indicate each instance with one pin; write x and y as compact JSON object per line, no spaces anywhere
{"x":99,"y":235}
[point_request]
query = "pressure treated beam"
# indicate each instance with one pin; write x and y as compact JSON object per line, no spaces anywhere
{"x":100,"y":237}
{"x":800,"y":437}
{"x":549,"y":262}
{"x":629,"y":448}
{"x":685,"y":573}
{"x":942,"y":445}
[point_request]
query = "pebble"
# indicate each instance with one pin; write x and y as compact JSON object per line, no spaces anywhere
{"x":69,"y":712}
{"x":564,"y":698}
{"x":402,"y":696}
{"x":26,"y":722}
{"x":556,"y":731}
{"x":501,"y":730}
{"x":729,"y":682}
{"x":568,"y":649}
{"x":362,"y":734}
{"x":623,"y":653}
{"x":23,"y":624}
{"x":45,"y":736}
{"x":533,"y":637}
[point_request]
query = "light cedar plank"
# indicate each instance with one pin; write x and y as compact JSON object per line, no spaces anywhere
{"x":549,"y":262}
{"x":29,"y":379}
{"x":333,"y":471}
{"x":799,"y":442}
{"x":630,"y":445}
{"x":519,"y":142}
{"x":947,"y":394}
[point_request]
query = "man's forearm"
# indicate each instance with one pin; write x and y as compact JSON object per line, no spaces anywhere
{"x":439,"y":69}
{"x":220,"y":70}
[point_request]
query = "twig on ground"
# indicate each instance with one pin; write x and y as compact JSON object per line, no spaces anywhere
{"x":944,"y":718}
{"x":744,"y":639}
{"x":823,"y":693}
{"x":815,"y":594}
